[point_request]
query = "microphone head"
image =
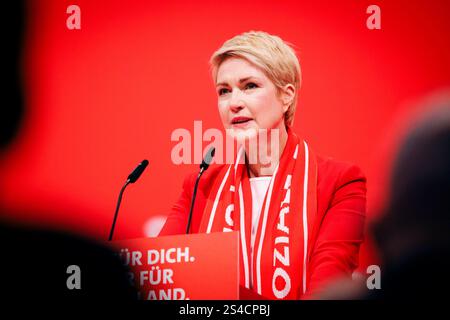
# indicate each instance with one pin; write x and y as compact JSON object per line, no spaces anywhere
{"x":132,"y":178}
{"x":208,"y":158}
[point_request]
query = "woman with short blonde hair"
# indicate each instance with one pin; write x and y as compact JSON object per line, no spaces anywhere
{"x":270,"y":53}
{"x":300,"y":216}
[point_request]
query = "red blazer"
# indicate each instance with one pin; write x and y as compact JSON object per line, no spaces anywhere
{"x":338,"y":229}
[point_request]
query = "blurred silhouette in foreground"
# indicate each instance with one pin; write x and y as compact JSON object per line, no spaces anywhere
{"x":35,"y":262}
{"x":413,"y":232}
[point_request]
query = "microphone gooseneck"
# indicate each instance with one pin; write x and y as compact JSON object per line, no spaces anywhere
{"x":203,"y":167}
{"x":132,"y":178}
{"x":111,"y":232}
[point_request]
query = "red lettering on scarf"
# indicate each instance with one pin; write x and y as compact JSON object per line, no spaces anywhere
{"x":281,"y":278}
{"x":228,"y":218}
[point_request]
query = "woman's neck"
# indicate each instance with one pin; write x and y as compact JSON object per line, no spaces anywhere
{"x":263,"y":158}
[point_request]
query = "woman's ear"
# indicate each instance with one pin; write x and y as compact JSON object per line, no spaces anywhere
{"x":287,"y":96}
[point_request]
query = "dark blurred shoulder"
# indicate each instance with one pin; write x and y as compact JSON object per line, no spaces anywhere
{"x":36,"y":260}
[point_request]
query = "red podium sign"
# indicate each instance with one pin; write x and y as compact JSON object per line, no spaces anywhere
{"x":195,"y":267}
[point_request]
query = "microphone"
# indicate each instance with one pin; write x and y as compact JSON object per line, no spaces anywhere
{"x":138,"y":171}
{"x":132,"y":178}
{"x":203,"y":167}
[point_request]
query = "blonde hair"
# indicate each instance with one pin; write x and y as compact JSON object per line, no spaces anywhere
{"x":270,"y":53}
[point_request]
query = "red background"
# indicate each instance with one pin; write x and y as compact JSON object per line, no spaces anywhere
{"x":101,"y":99}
